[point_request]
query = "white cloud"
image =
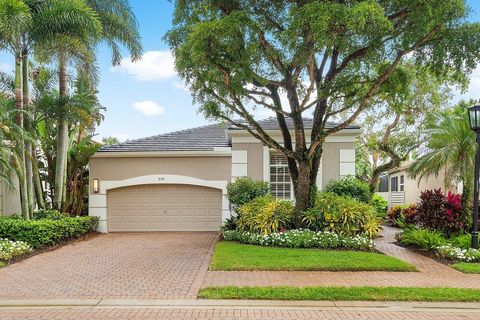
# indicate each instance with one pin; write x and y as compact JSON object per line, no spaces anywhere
{"x":181,"y":86}
{"x":148,"y":108}
{"x":154,"y":65}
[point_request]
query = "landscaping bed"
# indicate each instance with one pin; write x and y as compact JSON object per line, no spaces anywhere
{"x":21,"y":238}
{"x":342,"y":293}
{"x":234,"y":256}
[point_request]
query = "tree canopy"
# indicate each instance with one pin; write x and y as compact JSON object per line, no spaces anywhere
{"x":314,"y":58}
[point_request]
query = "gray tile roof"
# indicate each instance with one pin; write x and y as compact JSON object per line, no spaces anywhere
{"x":204,"y":138}
{"x":197,"y":139}
{"x":272,"y":124}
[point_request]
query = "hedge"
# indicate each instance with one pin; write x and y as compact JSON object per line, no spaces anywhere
{"x":38,"y":233}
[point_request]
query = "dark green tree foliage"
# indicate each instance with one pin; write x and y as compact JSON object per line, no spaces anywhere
{"x":325,"y":57}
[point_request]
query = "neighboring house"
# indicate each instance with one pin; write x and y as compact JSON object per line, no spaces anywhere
{"x":9,"y":200}
{"x":399,"y":188}
{"x":177,"y":181}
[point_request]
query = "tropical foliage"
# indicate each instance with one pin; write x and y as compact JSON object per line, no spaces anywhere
{"x":49,"y":105}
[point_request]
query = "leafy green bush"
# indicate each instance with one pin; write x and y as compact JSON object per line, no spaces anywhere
{"x":229,"y":224}
{"x":265,"y":215}
{"x":350,"y":187}
{"x":461,"y":241}
{"x":50,"y":214}
{"x":245,"y":189}
{"x":11,"y":249}
{"x":451,"y":252}
{"x":299,"y":238}
{"x":425,"y":239}
{"x":342,"y":215}
{"x":380,"y":205}
{"x":38,"y":233}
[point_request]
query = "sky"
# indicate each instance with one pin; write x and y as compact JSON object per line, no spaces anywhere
{"x":148,"y":98}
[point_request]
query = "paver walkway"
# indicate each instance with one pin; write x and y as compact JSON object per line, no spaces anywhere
{"x":160,"y":265}
{"x":431,"y":273}
{"x":236,"y":313}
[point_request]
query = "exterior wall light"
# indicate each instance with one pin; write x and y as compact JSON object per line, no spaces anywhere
{"x":96,"y":185}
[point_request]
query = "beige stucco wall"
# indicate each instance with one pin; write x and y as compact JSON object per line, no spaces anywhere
{"x":9,"y":199}
{"x":331,"y":159}
{"x":206,"y":168}
{"x":254,"y":158}
{"x":413,"y":187}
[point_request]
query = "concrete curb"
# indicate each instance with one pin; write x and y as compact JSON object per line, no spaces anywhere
{"x":241,"y":304}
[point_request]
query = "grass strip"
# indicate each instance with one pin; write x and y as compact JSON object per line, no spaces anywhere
{"x":342,"y":293}
{"x":234,"y":256}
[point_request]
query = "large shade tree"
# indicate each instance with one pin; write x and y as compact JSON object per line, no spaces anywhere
{"x":323,"y":57}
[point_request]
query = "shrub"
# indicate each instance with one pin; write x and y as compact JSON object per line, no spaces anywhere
{"x":340,"y":215}
{"x":299,"y":238}
{"x":38,"y":233}
{"x":380,"y":205}
{"x":265,"y":215}
{"x":462,"y":241}
{"x":11,"y":249}
{"x":244,"y":190}
{"x":439,"y":212}
{"x":425,"y":239}
{"x":394,"y":215}
{"x":410,"y":214}
{"x":229,"y":224}
{"x":350,"y":187}
{"x":50,"y":214}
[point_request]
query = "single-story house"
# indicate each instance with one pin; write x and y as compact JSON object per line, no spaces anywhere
{"x":399,"y":188}
{"x":177,"y":181}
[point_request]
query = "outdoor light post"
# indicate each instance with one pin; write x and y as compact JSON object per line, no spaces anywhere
{"x":474,"y":116}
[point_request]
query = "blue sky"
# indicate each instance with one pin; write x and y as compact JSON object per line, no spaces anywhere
{"x":148,"y":98}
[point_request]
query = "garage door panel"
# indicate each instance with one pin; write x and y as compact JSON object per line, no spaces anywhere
{"x":164,"y":208}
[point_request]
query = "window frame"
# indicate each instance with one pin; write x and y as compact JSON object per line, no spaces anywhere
{"x":394,"y":184}
{"x":285,"y":176}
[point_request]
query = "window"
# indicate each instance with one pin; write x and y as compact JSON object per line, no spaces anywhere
{"x":383,"y":183}
{"x":279,"y":176}
{"x":402,"y":183}
{"x":394,"y":184}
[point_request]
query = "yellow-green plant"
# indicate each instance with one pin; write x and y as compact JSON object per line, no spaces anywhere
{"x":342,"y":215}
{"x":265,"y":215}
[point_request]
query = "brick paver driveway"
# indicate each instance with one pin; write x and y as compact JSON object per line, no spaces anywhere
{"x":163,"y":265}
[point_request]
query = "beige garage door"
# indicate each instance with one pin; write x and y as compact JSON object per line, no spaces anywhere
{"x":164,"y":208}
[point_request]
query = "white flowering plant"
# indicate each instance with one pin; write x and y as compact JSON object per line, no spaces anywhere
{"x":11,"y":249}
{"x":302,"y":238}
{"x":448,"y":251}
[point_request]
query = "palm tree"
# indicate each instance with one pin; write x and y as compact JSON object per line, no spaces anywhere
{"x":118,"y":29}
{"x":451,"y":148}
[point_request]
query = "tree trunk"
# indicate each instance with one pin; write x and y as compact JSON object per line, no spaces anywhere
{"x":37,"y":184}
{"x":62,"y":140}
{"x":21,"y":143}
{"x":302,"y":191}
{"x":28,"y":128}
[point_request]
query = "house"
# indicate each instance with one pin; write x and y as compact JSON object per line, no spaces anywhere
{"x":177,"y":181}
{"x":399,"y":188}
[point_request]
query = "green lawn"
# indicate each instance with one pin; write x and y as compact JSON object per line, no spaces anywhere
{"x":230,"y":256}
{"x":467,"y":267}
{"x":341,"y":293}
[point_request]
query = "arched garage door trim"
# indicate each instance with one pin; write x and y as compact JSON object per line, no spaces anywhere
{"x":98,"y":202}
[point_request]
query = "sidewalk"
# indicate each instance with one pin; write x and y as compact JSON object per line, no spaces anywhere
{"x":233,"y":309}
{"x":431,"y":273}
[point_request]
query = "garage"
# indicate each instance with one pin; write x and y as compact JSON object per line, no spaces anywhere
{"x":164,"y":207}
